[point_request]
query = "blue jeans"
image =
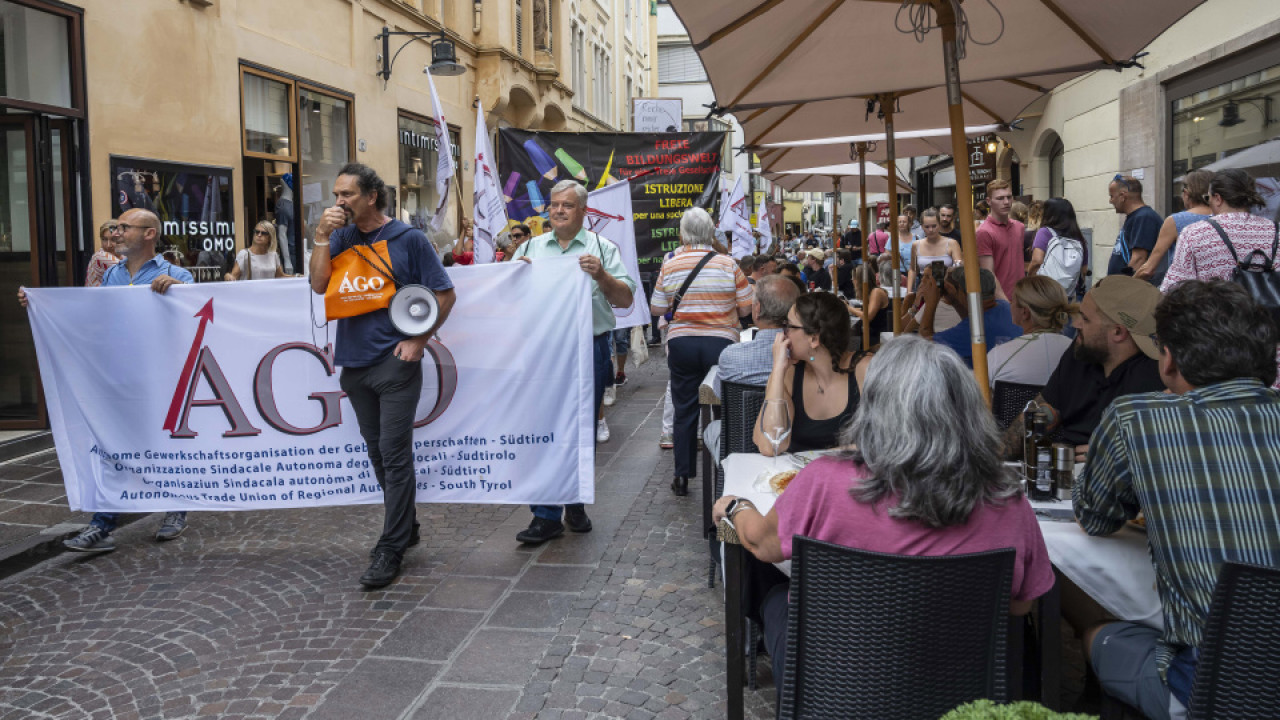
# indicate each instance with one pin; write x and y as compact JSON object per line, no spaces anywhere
{"x":622,"y":341}
{"x":107,"y":521}
{"x":602,"y":359}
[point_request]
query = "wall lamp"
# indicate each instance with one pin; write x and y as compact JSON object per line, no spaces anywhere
{"x":444,"y":59}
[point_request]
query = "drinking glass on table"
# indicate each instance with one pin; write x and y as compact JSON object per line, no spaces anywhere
{"x":775,"y":425}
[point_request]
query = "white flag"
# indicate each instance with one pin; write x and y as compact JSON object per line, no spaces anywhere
{"x":765,"y":228}
{"x":734,"y":221}
{"x":609,"y":216}
{"x":488,"y":208}
{"x":444,"y":162}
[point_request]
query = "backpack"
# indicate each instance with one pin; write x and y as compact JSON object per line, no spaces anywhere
{"x":1256,"y":273}
{"x":1062,"y":261}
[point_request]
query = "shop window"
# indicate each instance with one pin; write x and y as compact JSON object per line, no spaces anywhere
{"x":418,"y":158}
{"x":1230,"y":120}
{"x":296,"y":136}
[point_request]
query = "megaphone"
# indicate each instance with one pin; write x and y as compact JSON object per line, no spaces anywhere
{"x":414,"y":310}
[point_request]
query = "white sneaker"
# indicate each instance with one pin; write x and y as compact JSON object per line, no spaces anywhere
{"x":610,"y":395}
{"x":602,"y":431}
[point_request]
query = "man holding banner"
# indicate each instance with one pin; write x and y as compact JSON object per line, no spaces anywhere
{"x":612,"y":287}
{"x":136,"y":234}
{"x":381,"y":367}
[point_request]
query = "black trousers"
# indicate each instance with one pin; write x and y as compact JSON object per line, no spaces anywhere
{"x":688,"y":360}
{"x":385,"y":398}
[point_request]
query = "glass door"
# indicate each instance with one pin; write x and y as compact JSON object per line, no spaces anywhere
{"x":21,"y":402}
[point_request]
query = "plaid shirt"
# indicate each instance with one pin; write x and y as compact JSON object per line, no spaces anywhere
{"x":1204,"y":468}
{"x":749,"y":363}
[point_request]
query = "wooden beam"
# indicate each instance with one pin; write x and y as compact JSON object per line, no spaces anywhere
{"x":776,"y":123}
{"x":792,"y":47}
{"x":990,"y":113}
{"x":1074,"y":27}
{"x":742,"y":20}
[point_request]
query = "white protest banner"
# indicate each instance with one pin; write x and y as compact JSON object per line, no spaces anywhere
{"x":765,"y":228}
{"x":609,"y":216}
{"x":444,"y":153}
{"x":734,"y":222}
{"x":218,"y":396}
{"x":488,"y":207}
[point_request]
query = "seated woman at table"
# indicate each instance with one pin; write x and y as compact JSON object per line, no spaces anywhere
{"x":1041,"y":309}
{"x":814,"y":376}
{"x":924,"y":477}
{"x":879,"y":303}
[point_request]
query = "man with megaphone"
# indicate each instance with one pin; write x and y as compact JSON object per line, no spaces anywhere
{"x":370,"y":258}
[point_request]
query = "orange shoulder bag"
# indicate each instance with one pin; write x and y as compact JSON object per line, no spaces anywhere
{"x":362,"y":281}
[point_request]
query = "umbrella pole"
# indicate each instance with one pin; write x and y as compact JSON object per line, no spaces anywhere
{"x":964,"y":194}
{"x":835,"y":208}
{"x":864,"y":289}
{"x":886,"y":105}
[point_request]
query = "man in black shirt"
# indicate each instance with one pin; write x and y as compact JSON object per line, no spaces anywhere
{"x":1114,"y":354}
{"x":947,"y":218}
{"x":815,"y":275}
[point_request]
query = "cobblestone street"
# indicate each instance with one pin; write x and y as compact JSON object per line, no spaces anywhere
{"x":259,"y":615}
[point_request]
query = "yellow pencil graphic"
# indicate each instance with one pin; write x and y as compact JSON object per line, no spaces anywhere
{"x":607,"y":179}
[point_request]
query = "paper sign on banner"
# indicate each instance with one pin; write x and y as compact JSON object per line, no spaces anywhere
{"x":609,"y":215}
{"x":223,"y":406}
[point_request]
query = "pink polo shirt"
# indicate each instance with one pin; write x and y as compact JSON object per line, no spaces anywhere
{"x":817,"y":504}
{"x":1004,"y":244}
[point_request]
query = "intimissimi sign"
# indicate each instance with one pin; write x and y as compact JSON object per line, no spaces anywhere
{"x":428,"y":142}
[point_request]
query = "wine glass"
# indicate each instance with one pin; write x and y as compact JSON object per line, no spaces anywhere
{"x":775,"y":425}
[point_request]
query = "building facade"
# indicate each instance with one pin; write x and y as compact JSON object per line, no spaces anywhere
{"x":220,"y":113}
{"x":1209,"y":97}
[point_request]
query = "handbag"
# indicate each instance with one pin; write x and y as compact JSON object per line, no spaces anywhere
{"x":1257,"y":274}
{"x":361,"y":282}
{"x":675,"y":301}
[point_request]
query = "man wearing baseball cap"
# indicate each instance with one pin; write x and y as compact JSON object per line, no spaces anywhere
{"x":815,"y":275}
{"x":1113,"y":355}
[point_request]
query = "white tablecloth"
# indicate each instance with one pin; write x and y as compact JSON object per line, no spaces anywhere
{"x":1116,"y":571}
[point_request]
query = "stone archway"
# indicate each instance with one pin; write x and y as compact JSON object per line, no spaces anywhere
{"x":522,"y":108}
{"x":553,"y":118}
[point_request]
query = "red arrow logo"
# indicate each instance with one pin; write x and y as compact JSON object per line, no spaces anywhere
{"x":180,"y":392}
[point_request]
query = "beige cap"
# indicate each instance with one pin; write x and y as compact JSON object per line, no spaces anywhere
{"x":816,"y":254}
{"x":1130,"y":302}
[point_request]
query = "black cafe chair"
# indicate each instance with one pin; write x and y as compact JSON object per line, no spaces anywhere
{"x":739,"y":406}
{"x":882,"y":637}
{"x":1008,"y":400}
{"x":1240,"y":648}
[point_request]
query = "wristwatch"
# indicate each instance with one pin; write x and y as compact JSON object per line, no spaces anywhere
{"x":737,"y":506}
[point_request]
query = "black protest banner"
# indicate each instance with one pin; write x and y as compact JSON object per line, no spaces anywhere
{"x":669,"y":173}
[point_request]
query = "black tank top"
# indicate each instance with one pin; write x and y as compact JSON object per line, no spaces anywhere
{"x":810,"y":434}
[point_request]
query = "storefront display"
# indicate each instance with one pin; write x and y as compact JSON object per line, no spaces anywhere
{"x":197,"y":216}
{"x":417,"y":192}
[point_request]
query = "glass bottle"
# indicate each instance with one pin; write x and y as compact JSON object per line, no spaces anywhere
{"x":1064,"y":465}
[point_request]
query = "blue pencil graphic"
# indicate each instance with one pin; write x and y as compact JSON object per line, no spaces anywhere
{"x":541,"y":159}
{"x":535,"y":197}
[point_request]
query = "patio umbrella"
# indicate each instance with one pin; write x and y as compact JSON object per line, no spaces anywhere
{"x":781,"y":53}
{"x":792,"y":155}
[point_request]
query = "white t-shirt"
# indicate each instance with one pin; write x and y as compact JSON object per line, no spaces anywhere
{"x":261,"y":267}
{"x":1028,"y":360}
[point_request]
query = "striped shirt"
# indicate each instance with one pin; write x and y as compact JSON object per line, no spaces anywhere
{"x":1204,"y":468}
{"x":711,"y":305}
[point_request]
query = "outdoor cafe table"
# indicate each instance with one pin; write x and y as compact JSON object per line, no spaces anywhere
{"x":1115,"y":571}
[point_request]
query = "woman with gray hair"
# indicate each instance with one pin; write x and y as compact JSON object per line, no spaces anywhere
{"x":922,"y":476}
{"x":698,"y":291}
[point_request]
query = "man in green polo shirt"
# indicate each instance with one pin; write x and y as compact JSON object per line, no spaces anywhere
{"x":612,"y":287}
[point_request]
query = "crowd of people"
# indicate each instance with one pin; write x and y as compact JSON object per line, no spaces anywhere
{"x":1171,"y":350}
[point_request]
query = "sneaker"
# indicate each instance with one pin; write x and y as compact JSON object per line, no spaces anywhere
{"x":602,"y":431}
{"x":175,"y":523}
{"x":575,"y":518}
{"x":667,"y":442}
{"x":655,"y":342}
{"x":610,"y":395}
{"x":92,"y":539}
{"x":540,"y":531}
{"x":620,"y":379}
{"x":384,"y":569}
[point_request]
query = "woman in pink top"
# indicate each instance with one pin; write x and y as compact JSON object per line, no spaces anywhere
{"x":1201,"y":253}
{"x":102,"y":260}
{"x":924,"y":478}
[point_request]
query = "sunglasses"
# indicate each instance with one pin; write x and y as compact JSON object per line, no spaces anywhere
{"x":261,"y":232}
